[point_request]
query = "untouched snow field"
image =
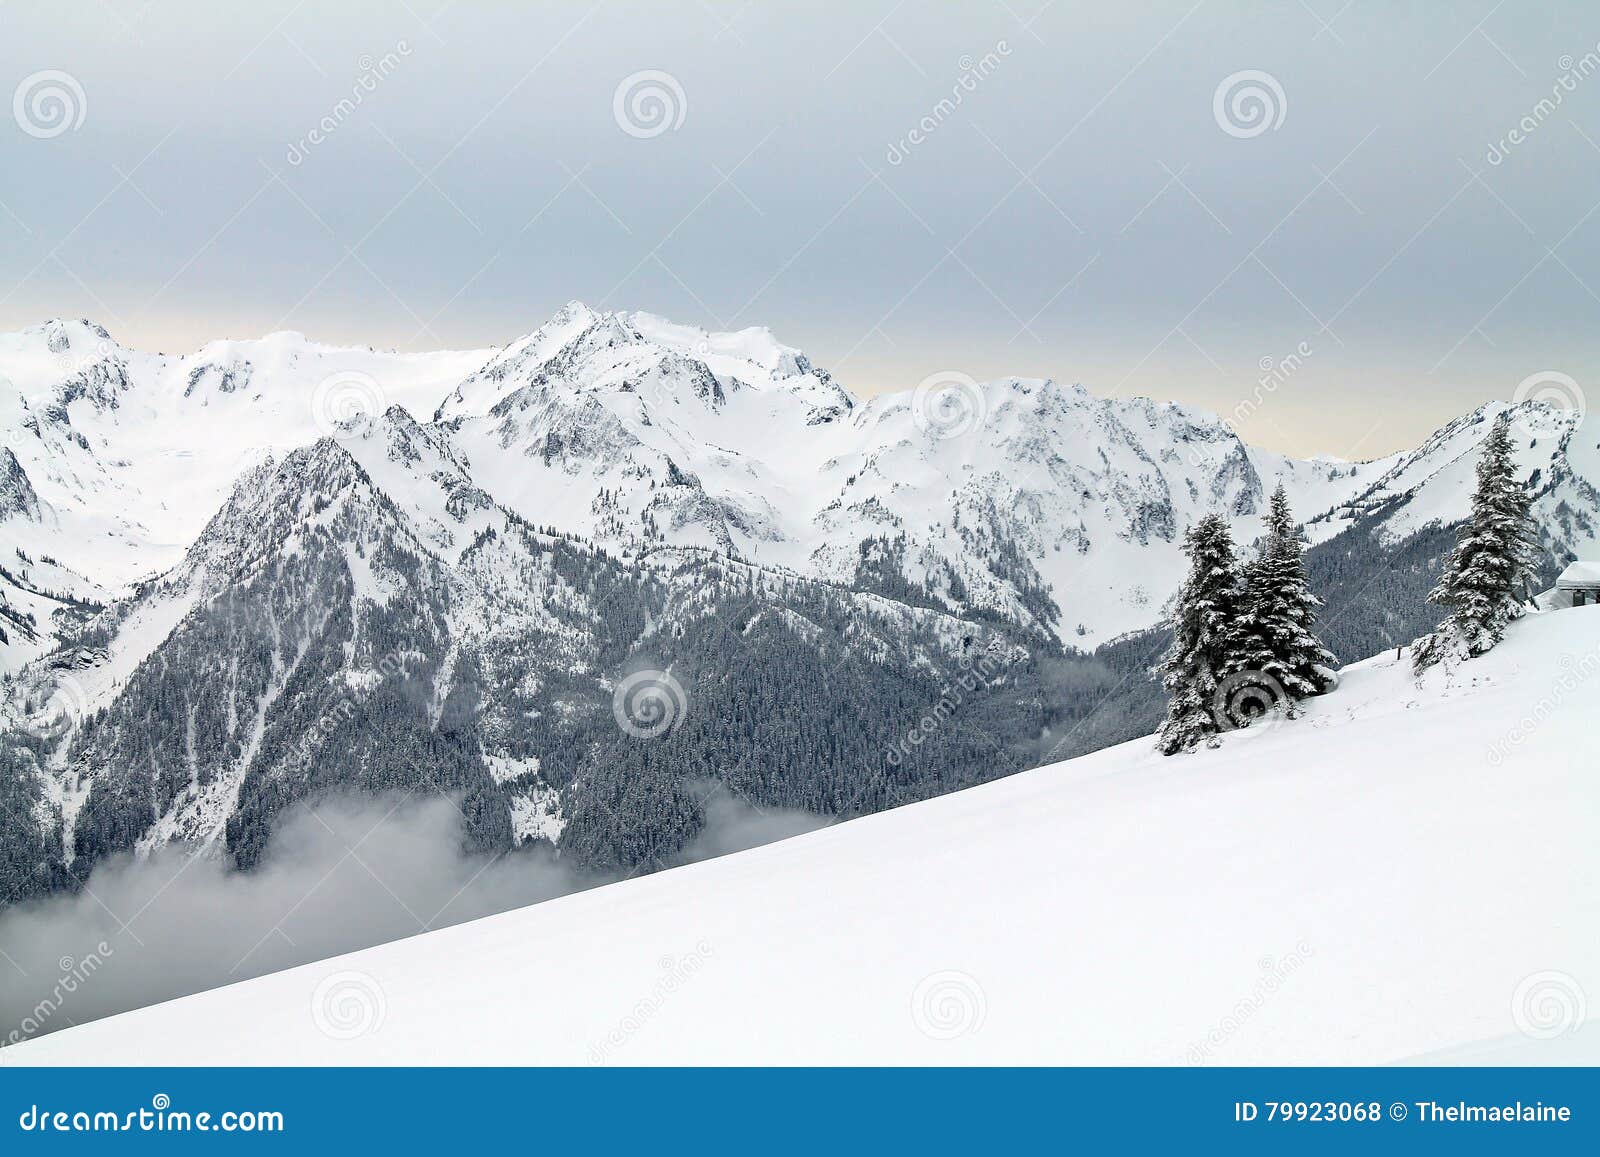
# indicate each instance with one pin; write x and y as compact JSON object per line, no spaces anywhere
{"x":1407,"y":872}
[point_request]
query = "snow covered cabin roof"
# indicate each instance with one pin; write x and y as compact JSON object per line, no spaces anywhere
{"x":1579,"y":574}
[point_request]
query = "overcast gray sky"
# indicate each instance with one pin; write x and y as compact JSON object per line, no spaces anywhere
{"x":1087,"y":210}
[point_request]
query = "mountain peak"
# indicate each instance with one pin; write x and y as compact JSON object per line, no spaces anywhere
{"x":575,"y":309}
{"x":65,"y":337}
{"x":604,"y":351}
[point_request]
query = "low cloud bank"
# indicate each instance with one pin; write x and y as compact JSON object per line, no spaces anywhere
{"x":343,"y":875}
{"x":732,"y":825}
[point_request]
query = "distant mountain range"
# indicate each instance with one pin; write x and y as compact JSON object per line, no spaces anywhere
{"x":236,"y":579}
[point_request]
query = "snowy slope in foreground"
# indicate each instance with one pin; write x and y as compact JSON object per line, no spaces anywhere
{"x":1369,"y":884}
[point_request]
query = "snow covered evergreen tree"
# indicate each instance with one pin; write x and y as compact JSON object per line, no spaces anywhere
{"x":1485,"y":580}
{"x":1205,"y":637}
{"x":1280,"y":611}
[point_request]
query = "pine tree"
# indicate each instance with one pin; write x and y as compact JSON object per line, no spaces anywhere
{"x":1280,"y":611}
{"x":1205,"y":640}
{"x":1486,"y":578}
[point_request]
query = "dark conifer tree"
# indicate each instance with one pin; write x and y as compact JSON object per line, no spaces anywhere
{"x":1205,"y":637}
{"x":1280,"y":612}
{"x":1485,"y":581}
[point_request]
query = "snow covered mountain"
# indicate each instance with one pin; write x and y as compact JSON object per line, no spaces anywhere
{"x":1293,"y":897}
{"x":361,"y":616}
{"x":629,"y":431}
{"x":128,"y":454}
{"x":232,"y":580}
{"x":987,"y":498}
